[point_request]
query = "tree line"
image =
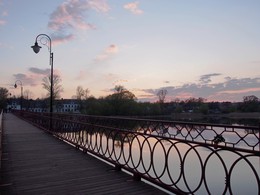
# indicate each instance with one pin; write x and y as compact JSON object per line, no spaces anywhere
{"x":124,"y":103}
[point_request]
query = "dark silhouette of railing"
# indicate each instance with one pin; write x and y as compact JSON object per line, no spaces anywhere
{"x":227,"y":135}
{"x":179,"y":157}
{"x":1,"y":136}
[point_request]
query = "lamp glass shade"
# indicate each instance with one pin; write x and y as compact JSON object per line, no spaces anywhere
{"x":36,"y":48}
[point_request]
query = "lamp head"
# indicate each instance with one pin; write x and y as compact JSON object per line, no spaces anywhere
{"x":15,"y":86}
{"x":36,"y":48}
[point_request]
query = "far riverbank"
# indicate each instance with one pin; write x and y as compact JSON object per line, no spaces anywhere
{"x":235,"y":115}
{"x":235,"y":118}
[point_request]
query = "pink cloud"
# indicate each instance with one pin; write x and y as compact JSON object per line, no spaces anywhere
{"x":111,"y":49}
{"x":39,"y":71}
{"x":120,"y":81}
{"x":108,"y":52}
{"x":99,"y":5}
{"x":27,"y":79}
{"x":184,"y":95}
{"x":2,"y":22}
{"x":4,"y":13}
{"x":133,"y":7}
{"x":82,"y":75}
{"x":239,"y":91}
{"x":68,"y":14}
{"x":34,"y":76}
{"x":70,"y":17}
{"x":58,"y":39}
{"x":110,"y":77}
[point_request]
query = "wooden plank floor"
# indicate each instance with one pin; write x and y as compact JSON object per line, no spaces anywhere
{"x":37,"y":163}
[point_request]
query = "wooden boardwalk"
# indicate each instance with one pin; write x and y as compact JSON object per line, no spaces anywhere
{"x":35,"y":162}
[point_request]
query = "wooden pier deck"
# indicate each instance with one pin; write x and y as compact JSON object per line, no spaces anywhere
{"x":34,"y":162}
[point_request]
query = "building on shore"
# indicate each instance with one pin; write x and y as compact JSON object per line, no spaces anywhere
{"x":42,"y":105}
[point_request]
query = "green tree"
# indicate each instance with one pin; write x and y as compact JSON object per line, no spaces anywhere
{"x":204,"y":109}
{"x":98,"y":107}
{"x":121,"y":94}
{"x":250,"y":104}
{"x":3,"y":97}
{"x":122,"y":101}
{"x":194,"y":104}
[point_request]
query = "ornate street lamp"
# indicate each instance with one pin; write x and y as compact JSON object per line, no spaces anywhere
{"x":15,"y":86}
{"x":46,"y":40}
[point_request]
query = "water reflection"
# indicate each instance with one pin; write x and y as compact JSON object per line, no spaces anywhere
{"x":219,"y":120}
{"x":192,"y":168}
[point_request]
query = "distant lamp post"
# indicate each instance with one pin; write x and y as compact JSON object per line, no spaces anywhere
{"x":46,"y":40}
{"x":15,"y":86}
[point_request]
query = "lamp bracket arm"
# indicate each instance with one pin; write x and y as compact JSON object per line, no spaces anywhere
{"x":44,"y":40}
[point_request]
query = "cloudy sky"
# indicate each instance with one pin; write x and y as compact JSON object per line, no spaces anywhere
{"x":191,"y":48}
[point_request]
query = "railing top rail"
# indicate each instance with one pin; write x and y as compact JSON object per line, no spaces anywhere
{"x":126,"y":131}
{"x":161,"y":121}
{"x":195,"y":133}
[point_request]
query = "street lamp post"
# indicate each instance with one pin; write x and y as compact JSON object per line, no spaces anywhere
{"x":46,"y":40}
{"x":15,"y":86}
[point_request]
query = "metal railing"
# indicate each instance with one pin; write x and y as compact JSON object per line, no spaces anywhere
{"x":227,"y":135}
{"x":180,"y":165}
{"x":1,"y":136}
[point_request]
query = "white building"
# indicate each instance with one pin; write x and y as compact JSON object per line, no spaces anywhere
{"x":62,"y":105}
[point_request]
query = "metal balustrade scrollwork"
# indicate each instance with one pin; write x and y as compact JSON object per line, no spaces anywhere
{"x":234,"y":136}
{"x":185,"y":164}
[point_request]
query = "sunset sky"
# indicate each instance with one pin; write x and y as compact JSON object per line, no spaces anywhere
{"x":191,"y":48}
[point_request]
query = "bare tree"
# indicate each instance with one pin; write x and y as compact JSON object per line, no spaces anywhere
{"x":57,"y":87}
{"x":27,"y":94}
{"x":82,"y":93}
{"x":161,"y":95}
{"x":82,"y":96}
{"x":79,"y":92}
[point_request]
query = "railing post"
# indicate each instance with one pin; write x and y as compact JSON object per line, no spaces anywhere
{"x":259,"y":136}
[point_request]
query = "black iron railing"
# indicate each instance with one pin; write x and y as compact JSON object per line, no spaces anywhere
{"x":177,"y":162}
{"x":226,"y":135}
{"x":1,"y":136}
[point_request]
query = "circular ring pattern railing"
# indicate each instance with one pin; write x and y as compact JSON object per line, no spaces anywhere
{"x":178,"y":165}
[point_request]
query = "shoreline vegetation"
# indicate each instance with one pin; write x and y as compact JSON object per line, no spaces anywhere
{"x":233,"y":115}
{"x":234,"y":118}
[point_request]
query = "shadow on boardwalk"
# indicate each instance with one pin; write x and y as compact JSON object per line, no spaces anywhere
{"x":37,"y":163}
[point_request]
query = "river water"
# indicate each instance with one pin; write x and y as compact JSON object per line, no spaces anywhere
{"x":215,"y":120}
